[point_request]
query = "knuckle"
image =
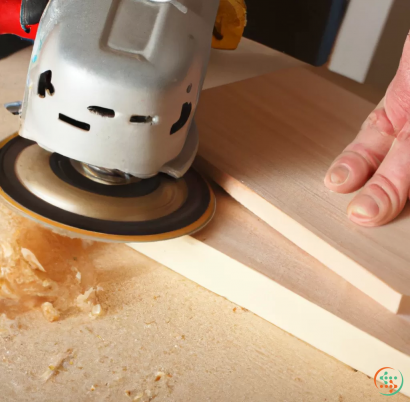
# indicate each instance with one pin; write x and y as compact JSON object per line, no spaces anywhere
{"x":379,"y":121}
{"x":384,"y":186}
{"x":372,"y":158}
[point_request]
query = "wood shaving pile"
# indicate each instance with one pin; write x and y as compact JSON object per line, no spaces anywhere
{"x":43,"y":270}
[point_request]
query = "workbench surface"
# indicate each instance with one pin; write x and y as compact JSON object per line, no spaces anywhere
{"x":162,"y":336}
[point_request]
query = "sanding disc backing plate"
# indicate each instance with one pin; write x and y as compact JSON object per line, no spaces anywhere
{"x":46,"y":187}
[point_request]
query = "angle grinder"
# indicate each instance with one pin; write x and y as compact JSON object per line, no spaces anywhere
{"x":107,"y":133}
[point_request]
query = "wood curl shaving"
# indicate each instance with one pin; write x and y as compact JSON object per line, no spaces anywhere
{"x":42,"y":270}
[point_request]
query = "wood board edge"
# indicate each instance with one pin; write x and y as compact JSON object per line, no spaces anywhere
{"x":244,"y":286}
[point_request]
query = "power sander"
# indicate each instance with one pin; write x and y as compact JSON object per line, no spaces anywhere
{"x":107,"y":133}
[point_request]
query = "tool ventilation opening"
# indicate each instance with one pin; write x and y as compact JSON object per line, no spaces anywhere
{"x":185,"y":113}
{"x":79,"y":124}
{"x":140,"y":119}
{"x":45,"y":85}
{"x":102,"y":111}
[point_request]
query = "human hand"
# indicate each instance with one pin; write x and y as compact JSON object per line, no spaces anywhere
{"x":379,"y":158}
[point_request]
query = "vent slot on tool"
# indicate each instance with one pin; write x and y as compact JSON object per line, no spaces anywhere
{"x":140,"y":119}
{"x":79,"y":124}
{"x":44,"y":84}
{"x":101,"y":111}
{"x":185,"y":113}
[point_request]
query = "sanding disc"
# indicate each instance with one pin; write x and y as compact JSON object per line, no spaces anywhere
{"x":48,"y":188}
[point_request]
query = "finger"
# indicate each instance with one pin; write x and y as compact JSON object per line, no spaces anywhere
{"x":397,"y":103}
{"x":385,"y":195}
{"x":357,"y":163}
{"x":361,"y":158}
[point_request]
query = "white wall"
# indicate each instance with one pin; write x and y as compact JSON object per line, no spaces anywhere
{"x":358,"y":37}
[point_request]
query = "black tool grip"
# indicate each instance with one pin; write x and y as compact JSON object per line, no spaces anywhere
{"x":31,"y":12}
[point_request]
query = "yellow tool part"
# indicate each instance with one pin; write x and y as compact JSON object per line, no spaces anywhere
{"x":229,"y":25}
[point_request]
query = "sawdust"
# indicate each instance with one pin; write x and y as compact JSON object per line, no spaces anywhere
{"x":43,"y":270}
{"x":59,"y":363}
{"x":222,"y":357}
{"x":50,"y":312}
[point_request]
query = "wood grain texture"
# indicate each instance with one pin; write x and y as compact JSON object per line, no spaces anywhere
{"x":158,"y":321}
{"x":274,"y":137}
{"x":224,"y":355}
{"x":242,"y":258}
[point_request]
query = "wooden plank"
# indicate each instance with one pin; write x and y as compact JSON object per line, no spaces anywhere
{"x":148,"y":310}
{"x":275,"y":136}
{"x":240,"y":257}
{"x":249,"y":60}
{"x":157,"y":321}
{"x":157,"y":333}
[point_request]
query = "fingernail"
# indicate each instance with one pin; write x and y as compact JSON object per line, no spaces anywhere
{"x":364,"y":207}
{"x":339,"y":174}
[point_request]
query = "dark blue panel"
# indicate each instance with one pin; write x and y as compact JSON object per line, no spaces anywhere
{"x":304,"y":29}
